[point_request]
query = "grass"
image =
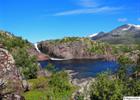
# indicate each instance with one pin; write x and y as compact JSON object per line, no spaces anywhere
{"x":56,"y":87}
{"x":47,"y":95}
{"x":35,"y":95}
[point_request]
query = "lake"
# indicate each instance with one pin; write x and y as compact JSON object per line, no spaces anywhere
{"x":83,"y":68}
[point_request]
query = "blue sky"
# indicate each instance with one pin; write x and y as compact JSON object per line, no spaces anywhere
{"x":38,"y":20}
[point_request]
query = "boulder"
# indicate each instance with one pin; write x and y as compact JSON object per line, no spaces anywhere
{"x":10,"y":78}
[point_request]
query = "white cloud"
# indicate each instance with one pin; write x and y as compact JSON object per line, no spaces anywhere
{"x":88,"y":11}
{"x":87,"y":3}
{"x":122,"y":19}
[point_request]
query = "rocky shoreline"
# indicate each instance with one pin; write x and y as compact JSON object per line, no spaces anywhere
{"x":83,"y":84}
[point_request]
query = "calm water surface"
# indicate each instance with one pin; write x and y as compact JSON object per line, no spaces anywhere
{"x":83,"y":68}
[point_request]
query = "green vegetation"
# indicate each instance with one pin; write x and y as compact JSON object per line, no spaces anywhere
{"x":11,"y":42}
{"x":65,"y":40}
{"x":121,"y":48}
{"x":111,"y":88}
{"x":105,"y":88}
{"x":25,"y":62}
{"x":115,"y":87}
{"x":100,"y":48}
{"x":96,"y":47}
{"x":56,"y":87}
{"x":35,"y":95}
{"x":18,"y":48}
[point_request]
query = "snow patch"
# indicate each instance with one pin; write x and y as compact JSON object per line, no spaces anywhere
{"x":138,"y":26}
{"x":125,"y":29}
{"x":131,"y":25}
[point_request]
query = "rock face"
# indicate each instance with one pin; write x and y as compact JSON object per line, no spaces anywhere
{"x":125,"y":34}
{"x":133,"y":55}
{"x":39,"y":55}
{"x":71,"y":50}
{"x":9,"y":76}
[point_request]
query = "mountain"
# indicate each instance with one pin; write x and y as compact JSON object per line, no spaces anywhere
{"x":125,"y":34}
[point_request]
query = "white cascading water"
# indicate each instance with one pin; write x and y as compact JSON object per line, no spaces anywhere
{"x":36,"y":47}
{"x":57,"y":59}
{"x":93,"y":35}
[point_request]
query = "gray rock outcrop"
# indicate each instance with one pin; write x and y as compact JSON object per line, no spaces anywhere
{"x":10,"y":78}
{"x":72,"y":50}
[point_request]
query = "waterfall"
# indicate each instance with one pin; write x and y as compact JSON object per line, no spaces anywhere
{"x":57,"y":59}
{"x":36,"y":47}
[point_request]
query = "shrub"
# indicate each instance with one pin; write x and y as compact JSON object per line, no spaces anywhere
{"x":39,"y":83}
{"x":56,"y":87}
{"x":26,"y":63}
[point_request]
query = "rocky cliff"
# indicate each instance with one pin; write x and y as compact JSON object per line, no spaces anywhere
{"x":10,"y":78}
{"x":77,"y":49}
{"x":39,"y":55}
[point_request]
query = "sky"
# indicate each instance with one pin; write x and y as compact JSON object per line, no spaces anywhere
{"x":38,"y":20}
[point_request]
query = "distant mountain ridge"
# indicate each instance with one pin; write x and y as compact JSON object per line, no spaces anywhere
{"x":125,"y":34}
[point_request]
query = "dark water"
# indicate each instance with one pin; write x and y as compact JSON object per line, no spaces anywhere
{"x":84,"y":68}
